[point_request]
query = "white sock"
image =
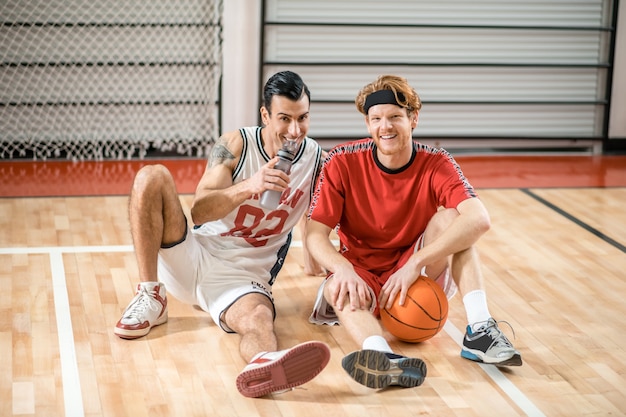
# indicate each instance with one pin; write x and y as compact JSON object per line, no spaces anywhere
{"x":476,"y":307}
{"x":377,"y":343}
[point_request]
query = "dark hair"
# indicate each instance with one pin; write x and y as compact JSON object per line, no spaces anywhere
{"x":287,"y":84}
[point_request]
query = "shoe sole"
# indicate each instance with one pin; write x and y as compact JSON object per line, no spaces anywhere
{"x":515,"y":360}
{"x":374,"y":369}
{"x":135,"y":334}
{"x":297,"y":366}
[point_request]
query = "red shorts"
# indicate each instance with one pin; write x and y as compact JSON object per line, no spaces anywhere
{"x":376,"y":282}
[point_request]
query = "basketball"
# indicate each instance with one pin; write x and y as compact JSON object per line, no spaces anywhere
{"x":423,"y":314}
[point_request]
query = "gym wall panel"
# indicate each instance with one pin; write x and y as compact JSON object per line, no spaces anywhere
{"x":452,"y":83}
{"x":495,"y":70}
{"x":558,"y":13}
{"x":423,"y":46}
{"x":473,"y":121}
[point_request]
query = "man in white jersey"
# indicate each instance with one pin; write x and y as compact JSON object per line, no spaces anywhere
{"x":228,"y":261}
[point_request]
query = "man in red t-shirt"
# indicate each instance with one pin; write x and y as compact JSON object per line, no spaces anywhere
{"x":403,"y":209}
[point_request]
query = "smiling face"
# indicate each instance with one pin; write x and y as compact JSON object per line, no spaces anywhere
{"x":391,"y":127}
{"x":288,"y":120}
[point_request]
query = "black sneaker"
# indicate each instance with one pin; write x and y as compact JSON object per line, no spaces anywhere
{"x":376,"y":369}
{"x":489,"y":345}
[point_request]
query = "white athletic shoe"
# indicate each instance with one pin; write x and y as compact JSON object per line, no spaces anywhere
{"x":489,"y":345}
{"x":147,"y":309}
{"x":280,"y":371}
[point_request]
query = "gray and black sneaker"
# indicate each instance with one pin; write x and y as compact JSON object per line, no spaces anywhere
{"x":376,"y":369}
{"x":489,"y":345}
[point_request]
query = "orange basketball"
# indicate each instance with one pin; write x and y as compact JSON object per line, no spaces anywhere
{"x":423,"y":314}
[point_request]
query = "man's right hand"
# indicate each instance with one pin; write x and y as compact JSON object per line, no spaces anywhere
{"x":346,"y":287}
{"x":268,"y":178}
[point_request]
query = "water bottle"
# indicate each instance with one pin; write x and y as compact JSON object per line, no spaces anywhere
{"x":271,"y":198}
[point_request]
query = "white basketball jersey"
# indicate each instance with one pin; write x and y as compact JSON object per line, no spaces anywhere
{"x":254,"y":240}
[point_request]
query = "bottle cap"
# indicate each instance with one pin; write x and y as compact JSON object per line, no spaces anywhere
{"x":289,"y":149}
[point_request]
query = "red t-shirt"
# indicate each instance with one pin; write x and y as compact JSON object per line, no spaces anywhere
{"x":381,"y":213}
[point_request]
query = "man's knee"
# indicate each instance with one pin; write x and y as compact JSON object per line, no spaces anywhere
{"x":261,"y":313}
{"x":329,"y":285}
{"x":253,"y":312}
{"x":154,"y":195}
{"x":149,"y":174}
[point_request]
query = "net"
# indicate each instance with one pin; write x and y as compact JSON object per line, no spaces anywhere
{"x":82,"y":79}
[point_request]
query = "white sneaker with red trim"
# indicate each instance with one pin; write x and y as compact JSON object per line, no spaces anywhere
{"x":280,"y":371}
{"x":147,"y":309}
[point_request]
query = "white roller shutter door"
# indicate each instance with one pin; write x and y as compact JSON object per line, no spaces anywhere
{"x":484,"y":69}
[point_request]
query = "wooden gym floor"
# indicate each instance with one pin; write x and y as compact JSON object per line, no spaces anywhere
{"x":554,"y":263}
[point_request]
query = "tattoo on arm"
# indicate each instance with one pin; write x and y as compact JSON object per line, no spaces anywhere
{"x":220,"y":154}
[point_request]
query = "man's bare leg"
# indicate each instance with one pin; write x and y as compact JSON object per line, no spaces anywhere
{"x":269,"y":370}
{"x":156,"y":218}
{"x":375,"y":365}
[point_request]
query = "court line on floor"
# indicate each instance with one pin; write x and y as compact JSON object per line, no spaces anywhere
{"x":21,"y":250}
{"x":575,"y":219}
{"x":517,"y":396}
{"x":69,"y":366}
{"x":72,"y":393}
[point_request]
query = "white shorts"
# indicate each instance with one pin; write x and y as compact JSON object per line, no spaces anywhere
{"x":194,"y":276}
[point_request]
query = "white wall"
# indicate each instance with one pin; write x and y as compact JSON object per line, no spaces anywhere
{"x":617,"y":115}
{"x":241,"y":87}
{"x":241,"y":56}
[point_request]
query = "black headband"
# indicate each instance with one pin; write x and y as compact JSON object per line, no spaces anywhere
{"x":382,"y":97}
